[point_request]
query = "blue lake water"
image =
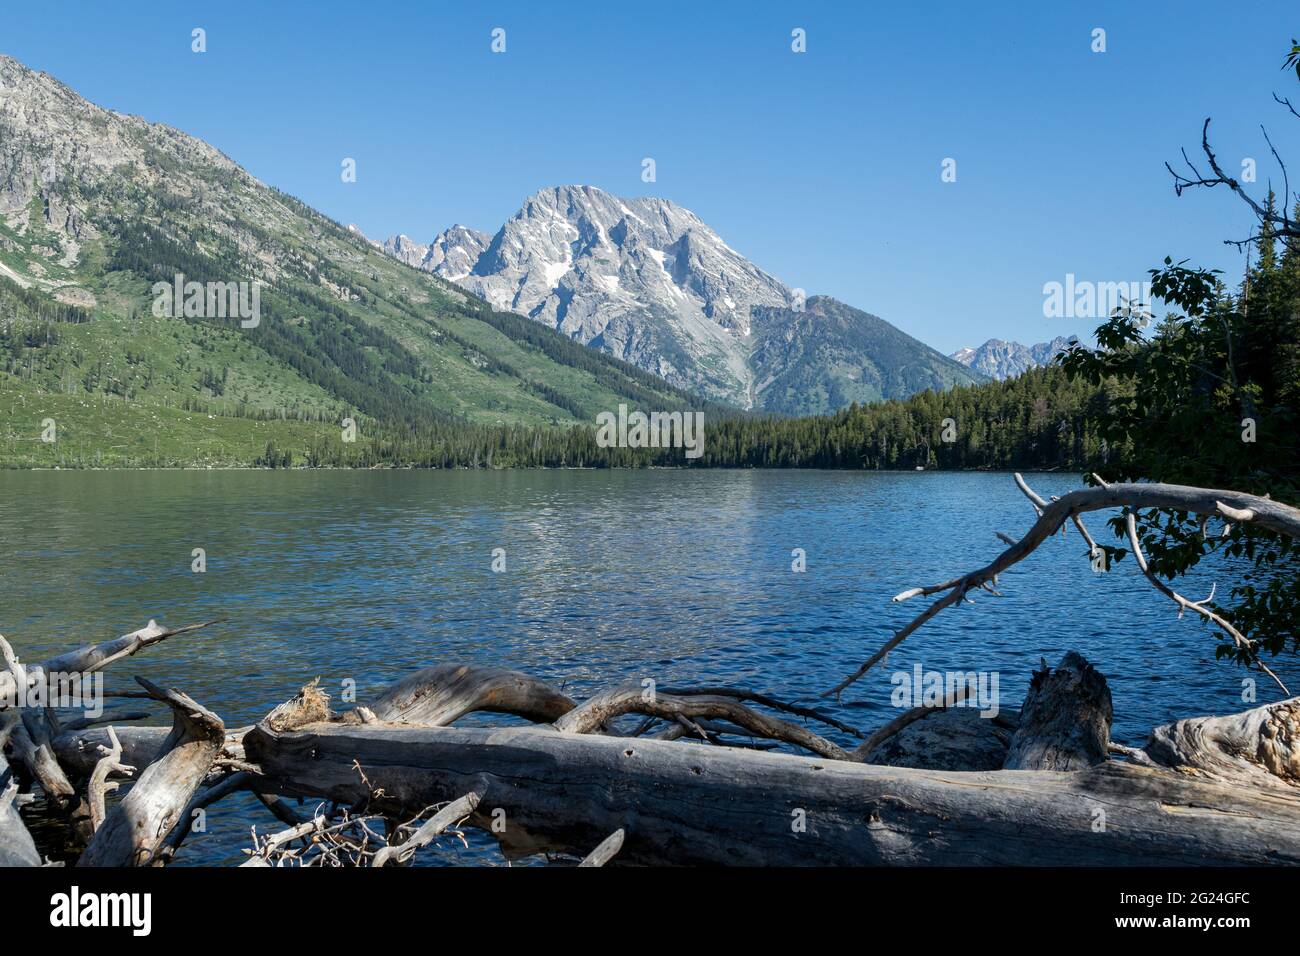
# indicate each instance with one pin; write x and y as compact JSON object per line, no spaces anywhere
{"x":681,"y":576}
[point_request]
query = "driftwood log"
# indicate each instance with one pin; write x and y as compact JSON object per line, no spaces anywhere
{"x":558,"y":790}
{"x":567,"y":790}
{"x":1065,"y":721}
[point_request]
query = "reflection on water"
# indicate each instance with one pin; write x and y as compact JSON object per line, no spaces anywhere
{"x":683,"y":576}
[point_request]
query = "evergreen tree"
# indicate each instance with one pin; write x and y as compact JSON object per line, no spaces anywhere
{"x":1268,"y":237}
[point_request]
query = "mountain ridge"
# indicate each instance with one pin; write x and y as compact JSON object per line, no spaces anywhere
{"x":646,"y":280}
{"x":1000,"y":359}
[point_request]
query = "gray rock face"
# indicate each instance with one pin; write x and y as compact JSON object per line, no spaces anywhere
{"x":67,"y":166}
{"x":455,"y":251}
{"x":999,"y":359}
{"x":406,"y":249}
{"x":649,"y":282}
{"x":452,"y":254}
{"x":642,"y":279}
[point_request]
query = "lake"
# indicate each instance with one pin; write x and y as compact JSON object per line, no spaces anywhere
{"x":681,"y":576}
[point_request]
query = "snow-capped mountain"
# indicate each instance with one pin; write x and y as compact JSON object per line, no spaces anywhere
{"x":642,"y":279}
{"x":999,"y":359}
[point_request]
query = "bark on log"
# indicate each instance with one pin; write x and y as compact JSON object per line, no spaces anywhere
{"x":1260,"y":747}
{"x":16,"y":845}
{"x":1065,"y":721}
{"x":136,"y":828}
{"x":438,"y":696}
{"x":689,"y":804}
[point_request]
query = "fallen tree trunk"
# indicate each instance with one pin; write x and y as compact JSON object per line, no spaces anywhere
{"x":78,"y":751}
{"x":697,"y":805}
{"x":569,"y":783}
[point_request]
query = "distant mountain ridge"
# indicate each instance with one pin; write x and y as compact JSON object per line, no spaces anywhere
{"x":648,"y":281}
{"x":1001,"y":360}
{"x":452,"y":254}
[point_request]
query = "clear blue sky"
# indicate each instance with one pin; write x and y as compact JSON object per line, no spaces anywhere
{"x":823,"y":168}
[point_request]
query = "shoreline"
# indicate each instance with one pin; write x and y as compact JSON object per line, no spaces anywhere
{"x":304,"y":468}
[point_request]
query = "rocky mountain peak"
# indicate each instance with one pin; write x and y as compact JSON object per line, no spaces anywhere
{"x":1000,"y":359}
{"x":649,"y":281}
{"x":641,"y":278}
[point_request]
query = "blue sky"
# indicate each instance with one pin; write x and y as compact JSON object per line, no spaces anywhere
{"x":823,"y":167}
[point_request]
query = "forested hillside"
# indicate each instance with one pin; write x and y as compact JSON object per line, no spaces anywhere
{"x":96,"y":207}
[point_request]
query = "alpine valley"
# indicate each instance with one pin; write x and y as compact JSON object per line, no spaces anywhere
{"x":453,"y":352}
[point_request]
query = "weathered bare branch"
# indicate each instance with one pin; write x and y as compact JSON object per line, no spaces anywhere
{"x":99,"y":785}
{"x":1281,"y":222}
{"x":741,"y":693}
{"x":1263,"y":512}
{"x":449,"y":815}
{"x":95,"y":657}
{"x":1197,"y":606}
{"x":605,"y":851}
{"x":906,"y":719}
{"x":633,"y":699}
{"x":438,"y":696}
